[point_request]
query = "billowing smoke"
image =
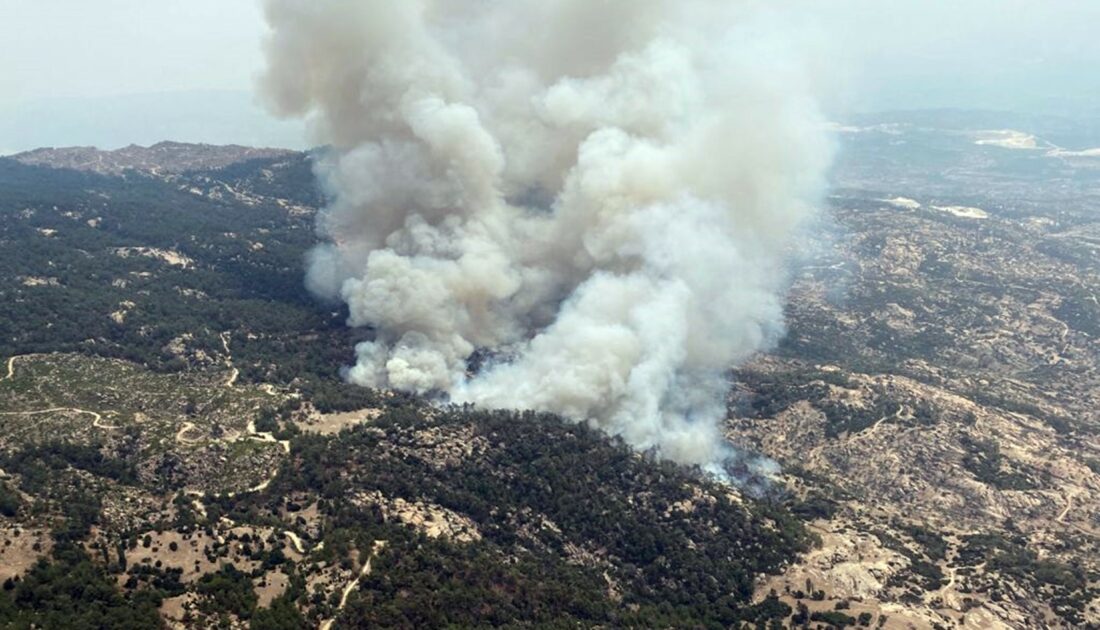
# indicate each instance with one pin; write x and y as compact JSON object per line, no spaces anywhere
{"x":596,"y":194}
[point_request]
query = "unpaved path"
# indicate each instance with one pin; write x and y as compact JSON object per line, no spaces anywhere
{"x":187,"y":426}
{"x":99,"y":422}
{"x":11,"y":369}
{"x":266,"y":437}
{"x":53,"y":410}
{"x":954,"y":573}
{"x":11,"y":365}
{"x":1069,"y":506}
{"x":840,"y":266}
{"x":97,"y":418}
{"x":234,"y":373}
{"x":874,"y":428}
{"x":297,"y":541}
{"x":253,"y":434}
{"x":260,"y":487}
{"x":354,"y":584}
{"x":250,"y":434}
{"x":196,"y":501}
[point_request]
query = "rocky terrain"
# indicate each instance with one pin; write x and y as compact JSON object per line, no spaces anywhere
{"x":178,"y":448}
{"x":938,"y":395}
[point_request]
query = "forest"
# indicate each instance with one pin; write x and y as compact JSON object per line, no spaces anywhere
{"x":63,"y":239}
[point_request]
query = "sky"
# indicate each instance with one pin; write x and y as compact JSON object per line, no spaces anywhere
{"x":114,"y":72}
{"x":1030,"y":56}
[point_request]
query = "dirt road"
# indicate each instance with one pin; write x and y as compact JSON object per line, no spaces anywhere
{"x":354,"y":584}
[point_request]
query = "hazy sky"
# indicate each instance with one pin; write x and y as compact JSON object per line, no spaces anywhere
{"x":90,"y":48}
{"x":1038,"y":55}
{"x":69,"y":69}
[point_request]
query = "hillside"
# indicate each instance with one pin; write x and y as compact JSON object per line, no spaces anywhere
{"x":937,"y":392}
{"x":178,"y":446}
{"x":174,"y":429}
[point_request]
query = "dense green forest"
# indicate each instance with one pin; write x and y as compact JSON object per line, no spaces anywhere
{"x":71,"y":591}
{"x":574,"y":529}
{"x":543,"y":489}
{"x":61,"y":234}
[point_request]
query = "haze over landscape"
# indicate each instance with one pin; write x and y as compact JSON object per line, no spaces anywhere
{"x":126,"y":71}
{"x":549,"y":314}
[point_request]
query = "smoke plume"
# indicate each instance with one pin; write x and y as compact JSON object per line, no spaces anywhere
{"x":596,"y":194}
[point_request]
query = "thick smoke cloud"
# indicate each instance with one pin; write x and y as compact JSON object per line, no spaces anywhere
{"x":599,"y":193}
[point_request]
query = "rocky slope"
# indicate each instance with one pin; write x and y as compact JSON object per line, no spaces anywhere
{"x":164,"y":158}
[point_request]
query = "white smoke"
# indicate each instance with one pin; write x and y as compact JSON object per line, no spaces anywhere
{"x":598,"y":190}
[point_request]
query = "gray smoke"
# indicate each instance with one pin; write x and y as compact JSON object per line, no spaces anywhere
{"x":599,"y":191}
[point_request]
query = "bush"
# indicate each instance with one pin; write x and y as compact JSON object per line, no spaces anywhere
{"x":10,"y":501}
{"x":227,"y":591}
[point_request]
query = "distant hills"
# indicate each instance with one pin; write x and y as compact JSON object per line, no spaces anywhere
{"x":205,"y":116}
{"x":160,"y":158}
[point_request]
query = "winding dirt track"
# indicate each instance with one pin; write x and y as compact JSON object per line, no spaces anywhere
{"x":98,"y":423}
{"x":301,"y":548}
{"x":234,"y":373}
{"x":953,"y":572}
{"x":97,"y":418}
{"x":897,"y":416}
{"x":187,"y":426}
{"x":251,"y":433}
{"x":11,"y":369}
{"x":350,"y":588}
{"x":11,"y":365}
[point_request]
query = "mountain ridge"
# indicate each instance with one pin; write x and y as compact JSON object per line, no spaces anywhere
{"x":165,"y":157}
